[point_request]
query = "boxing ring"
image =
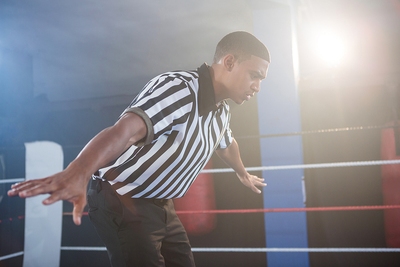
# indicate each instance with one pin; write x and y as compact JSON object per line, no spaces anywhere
{"x":231,"y":211}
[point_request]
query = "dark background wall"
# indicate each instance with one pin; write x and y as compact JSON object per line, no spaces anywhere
{"x":335,"y":105}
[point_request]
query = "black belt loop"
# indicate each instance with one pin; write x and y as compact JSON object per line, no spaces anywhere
{"x":95,"y":183}
{"x":160,"y":202}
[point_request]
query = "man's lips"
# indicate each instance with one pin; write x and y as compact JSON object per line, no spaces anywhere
{"x":248,"y":96}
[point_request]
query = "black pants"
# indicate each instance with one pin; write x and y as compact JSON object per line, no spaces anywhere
{"x":138,"y":232}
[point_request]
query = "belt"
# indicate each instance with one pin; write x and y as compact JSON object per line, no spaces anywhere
{"x":96,"y":185}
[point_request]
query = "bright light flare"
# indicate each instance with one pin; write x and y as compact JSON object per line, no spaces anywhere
{"x":330,"y":48}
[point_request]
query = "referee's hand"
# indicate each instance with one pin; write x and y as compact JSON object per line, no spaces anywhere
{"x":252,"y":182}
{"x":61,"y":186}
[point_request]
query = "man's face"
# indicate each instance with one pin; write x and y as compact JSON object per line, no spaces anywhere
{"x":245,"y":78}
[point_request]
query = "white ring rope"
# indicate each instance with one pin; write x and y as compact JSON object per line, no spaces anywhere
{"x":84,"y":248}
{"x":236,"y":250}
{"x":282,"y":167}
{"x":310,"y":166}
{"x":11,"y":256}
{"x":10,"y":181}
{"x":260,"y":249}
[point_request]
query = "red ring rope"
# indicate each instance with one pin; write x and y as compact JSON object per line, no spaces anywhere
{"x":293,"y":209}
{"x":343,"y":208}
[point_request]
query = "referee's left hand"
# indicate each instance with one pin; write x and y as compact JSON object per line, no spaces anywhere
{"x":252,"y":182}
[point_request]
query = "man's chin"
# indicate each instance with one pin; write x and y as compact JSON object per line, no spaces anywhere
{"x":238,"y":101}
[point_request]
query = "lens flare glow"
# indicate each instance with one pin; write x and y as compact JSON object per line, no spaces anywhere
{"x":330,"y":48}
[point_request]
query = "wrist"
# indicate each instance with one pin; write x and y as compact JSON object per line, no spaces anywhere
{"x":241,"y":173}
{"x":79,"y":169}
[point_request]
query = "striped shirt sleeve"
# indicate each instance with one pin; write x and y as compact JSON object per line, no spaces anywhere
{"x":164,"y":102}
{"x":226,"y":139}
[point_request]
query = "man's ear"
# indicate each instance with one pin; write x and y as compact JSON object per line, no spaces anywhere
{"x":229,"y":62}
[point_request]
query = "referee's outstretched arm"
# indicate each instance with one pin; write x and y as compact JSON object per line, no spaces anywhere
{"x":71,"y":183}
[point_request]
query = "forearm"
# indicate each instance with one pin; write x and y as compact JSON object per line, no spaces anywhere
{"x":103,"y":148}
{"x":231,"y":156}
{"x":108,"y":145}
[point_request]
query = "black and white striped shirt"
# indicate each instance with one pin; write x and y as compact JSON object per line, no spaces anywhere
{"x":184,"y":127}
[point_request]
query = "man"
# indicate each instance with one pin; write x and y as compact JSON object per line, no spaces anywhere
{"x":154,"y":152}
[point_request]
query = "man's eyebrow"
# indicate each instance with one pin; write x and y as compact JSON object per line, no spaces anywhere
{"x":258,"y":74}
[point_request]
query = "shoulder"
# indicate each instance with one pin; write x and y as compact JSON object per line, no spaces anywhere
{"x":172,"y":79}
{"x":185,"y":76}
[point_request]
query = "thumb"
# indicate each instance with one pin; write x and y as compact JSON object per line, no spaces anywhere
{"x":77,"y":211}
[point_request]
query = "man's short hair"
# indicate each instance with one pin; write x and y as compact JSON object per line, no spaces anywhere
{"x":242,"y":45}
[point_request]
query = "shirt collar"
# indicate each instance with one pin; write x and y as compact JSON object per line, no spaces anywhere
{"x":206,"y":100}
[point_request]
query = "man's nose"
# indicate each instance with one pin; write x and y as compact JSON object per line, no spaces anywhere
{"x":256,"y":86}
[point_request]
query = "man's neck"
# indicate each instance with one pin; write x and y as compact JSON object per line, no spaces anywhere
{"x":219,"y":89}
